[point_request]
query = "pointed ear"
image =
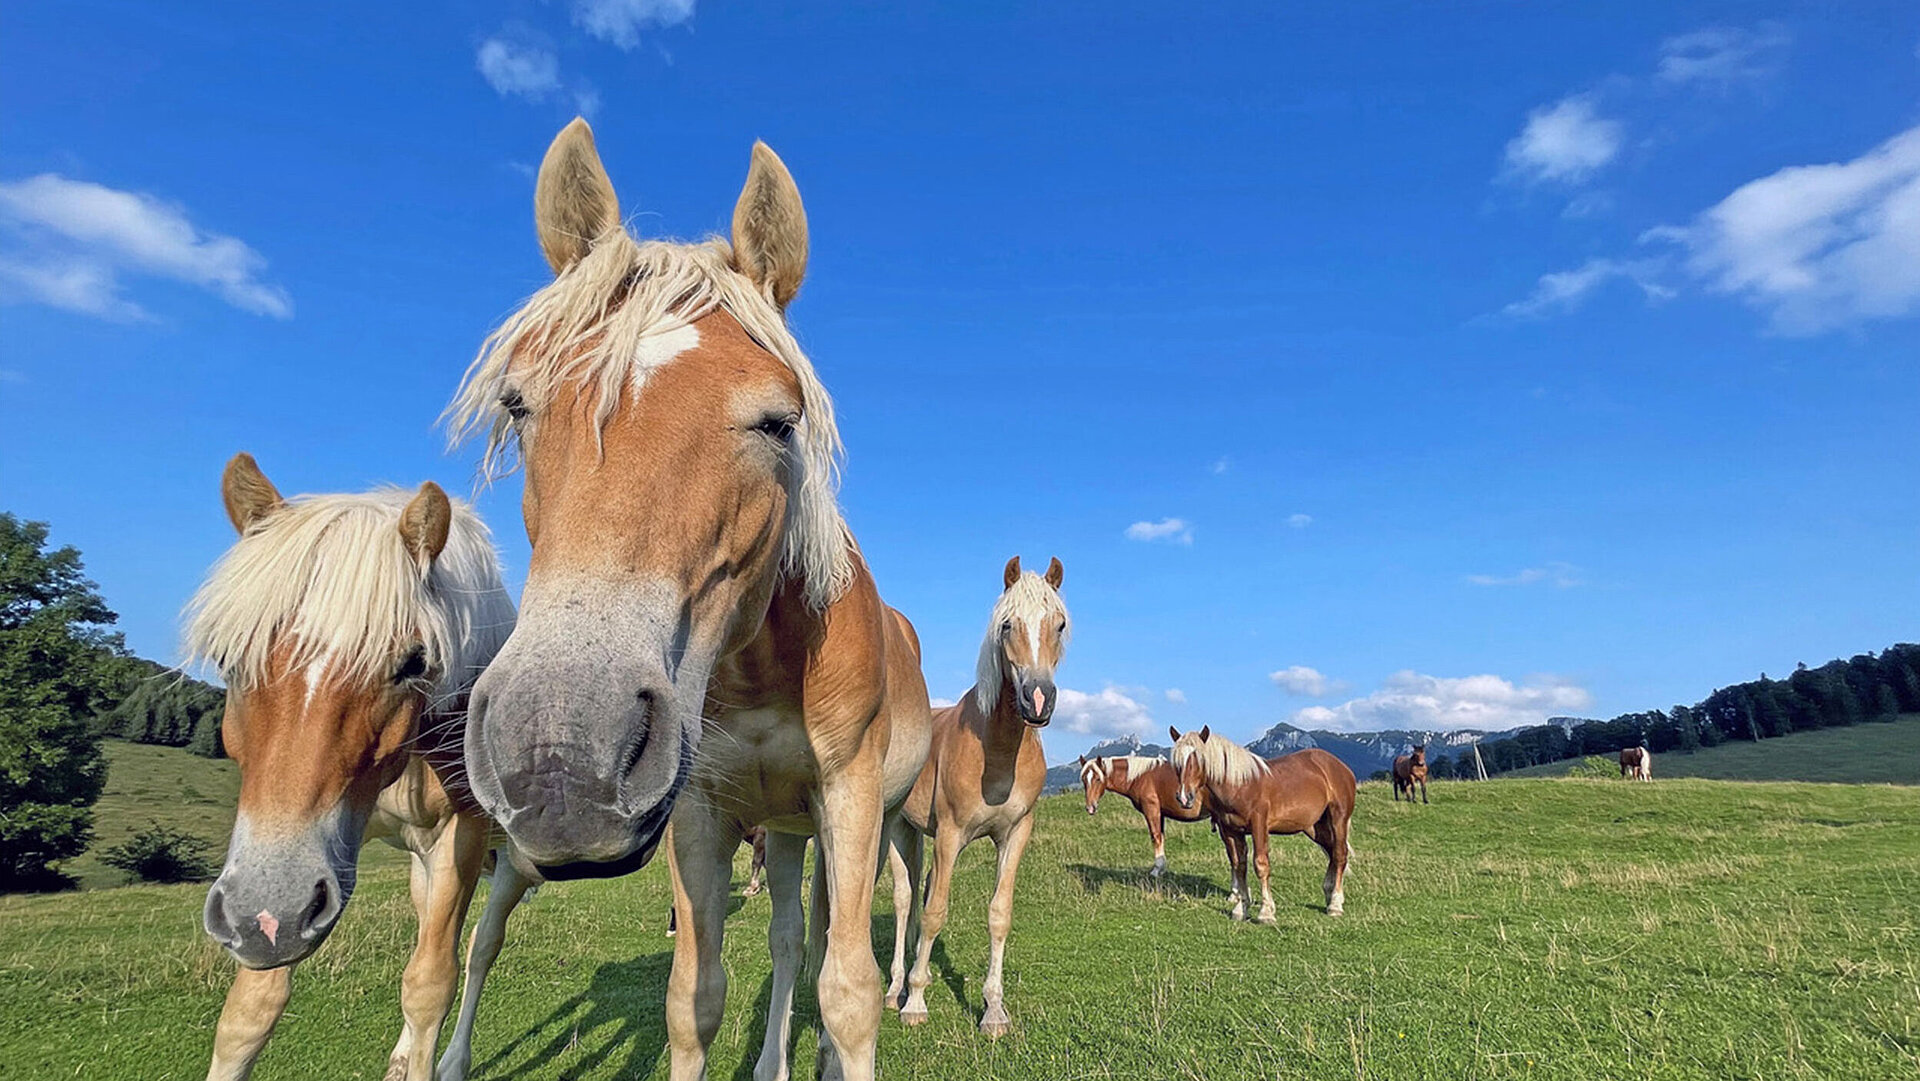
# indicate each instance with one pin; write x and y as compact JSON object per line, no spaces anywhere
{"x":424,"y":524}
{"x":247,"y":492}
{"x":1083,"y":759}
{"x":573,"y":201}
{"x":1174,"y":732}
{"x":1012,"y":574}
{"x":1205,"y":731}
{"x":770,"y":228}
{"x":1055,"y":572}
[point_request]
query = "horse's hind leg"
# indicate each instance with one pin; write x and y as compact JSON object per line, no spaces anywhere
{"x":786,"y":861}
{"x":442,"y":884}
{"x":1331,"y":833}
{"x":946,"y":852}
{"x":903,"y":860}
{"x":254,"y":1004}
{"x":1237,"y":865}
{"x":509,"y":886}
{"x":995,"y":1020}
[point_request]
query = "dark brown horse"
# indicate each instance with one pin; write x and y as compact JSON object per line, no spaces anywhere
{"x":1151,"y":786}
{"x":1636,"y":763}
{"x":1309,"y":792}
{"x":1410,"y":770}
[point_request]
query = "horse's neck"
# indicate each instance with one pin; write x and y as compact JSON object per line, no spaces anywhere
{"x":773,"y":666}
{"x":1003,"y":733}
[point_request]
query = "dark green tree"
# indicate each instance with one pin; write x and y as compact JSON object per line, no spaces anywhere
{"x":58,"y":664}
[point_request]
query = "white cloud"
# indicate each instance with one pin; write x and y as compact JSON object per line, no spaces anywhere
{"x":1564,"y":290}
{"x":1221,"y":465}
{"x":938,"y":702}
{"x":1177,"y":696}
{"x":518,"y":69}
{"x":1299,"y":679}
{"x":1817,"y":246}
{"x":1174,"y":530}
{"x":1112,"y":712}
{"x":1562,"y":575}
{"x":1723,"y":55}
{"x":72,"y":240}
{"x":1409,"y":700}
{"x":619,"y":22}
{"x":1299,"y":521}
{"x":1565,"y":141}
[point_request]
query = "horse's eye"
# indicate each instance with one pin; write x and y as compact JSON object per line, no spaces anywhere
{"x":413,"y":667}
{"x":1006,"y":627}
{"x":1062,"y":628}
{"x":515,"y":405}
{"x":779,"y":429}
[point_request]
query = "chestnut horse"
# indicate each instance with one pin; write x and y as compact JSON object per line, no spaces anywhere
{"x":1309,"y":792}
{"x":699,"y":637}
{"x":985,"y":773}
{"x":1410,"y":770}
{"x":1151,"y":786}
{"x":348,"y":629}
{"x":1636,"y":763}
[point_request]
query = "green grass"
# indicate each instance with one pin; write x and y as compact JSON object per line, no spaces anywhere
{"x":145,"y":784}
{"x":1521,"y":929}
{"x":1886,"y":752}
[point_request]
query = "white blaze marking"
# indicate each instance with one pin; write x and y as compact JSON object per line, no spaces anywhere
{"x":658,"y":348}
{"x":314,"y":672}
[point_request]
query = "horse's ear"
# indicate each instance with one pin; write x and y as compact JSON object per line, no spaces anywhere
{"x":573,"y":200}
{"x":1205,"y":731}
{"x":770,"y":228}
{"x":1055,"y":572}
{"x":1083,"y":759}
{"x":1174,"y":732}
{"x":424,"y":524}
{"x":1012,"y":574}
{"x":247,"y":492}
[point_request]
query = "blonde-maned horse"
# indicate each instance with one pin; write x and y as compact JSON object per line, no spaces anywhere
{"x":349,"y":629}
{"x":1309,"y":792}
{"x":1151,"y":786}
{"x":985,"y":773}
{"x":699,"y":638}
{"x":1636,"y":763}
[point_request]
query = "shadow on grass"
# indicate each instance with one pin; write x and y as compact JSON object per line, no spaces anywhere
{"x":618,"y":1014}
{"x":1171,"y":884}
{"x":44,"y":880}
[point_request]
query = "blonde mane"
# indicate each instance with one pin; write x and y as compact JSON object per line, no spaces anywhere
{"x":1031,"y":601}
{"x":587,"y":329}
{"x":331,"y":576}
{"x":1222,"y":761}
{"x":1137,"y":766}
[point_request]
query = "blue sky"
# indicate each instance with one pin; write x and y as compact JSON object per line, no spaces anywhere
{"x":1388,"y":365}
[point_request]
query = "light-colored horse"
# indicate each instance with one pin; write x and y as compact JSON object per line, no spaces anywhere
{"x":349,"y":629}
{"x":1309,"y":792}
{"x":982,"y":779}
{"x":1636,"y":763}
{"x":699,"y":638}
{"x":1151,"y":786}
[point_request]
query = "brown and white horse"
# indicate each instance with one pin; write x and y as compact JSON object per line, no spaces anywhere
{"x":1309,"y":792}
{"x":1152,"y":787}
{"x":1410,"y":770}
{"x":1636,"y":763}
{"x":699,"y":636}
{"x":985,"y":772}
{"x":349,"y":629}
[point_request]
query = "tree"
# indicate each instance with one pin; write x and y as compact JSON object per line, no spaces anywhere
{"x":58,"y":664}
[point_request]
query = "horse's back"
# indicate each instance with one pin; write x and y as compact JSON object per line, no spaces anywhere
{"x":1336,"y":780}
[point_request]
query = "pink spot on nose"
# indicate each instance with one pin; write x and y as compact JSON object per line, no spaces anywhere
{"x":1039,"y":702}
{"x":269,"y":927}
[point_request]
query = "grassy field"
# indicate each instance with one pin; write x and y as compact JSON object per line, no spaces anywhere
{"x":1518,"y":929}
{"x":1879,"y":753}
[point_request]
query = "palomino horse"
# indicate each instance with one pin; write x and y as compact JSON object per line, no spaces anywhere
{"x":349,"y":629}
{"x":1410,"y":770}
{"x":985,"y":772}
{"x":1307,"y":792}
{"x":1151,"y":786}
{"x":1636,"y":763}
{"x":699,"y":636}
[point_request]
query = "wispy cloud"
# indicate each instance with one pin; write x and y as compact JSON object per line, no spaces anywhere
{"x":1723,"y":55}
{"x":1221,"y":465}
{"x":1559,"y":575}
{"x":619,"y":22}
{"x":68,"y":244}
{"x":1299,"y":521}
{"x":1172,"y":530}
{"x":1410,"y":700}
{"x":1176,"y":696}
{"x":1565,"y":142}
{"x":1302,"y":680}
{"x":1565,"y":290}
{"x":938,"y":702}
{"x":518,"y":69}
{"x":1111,"y":712}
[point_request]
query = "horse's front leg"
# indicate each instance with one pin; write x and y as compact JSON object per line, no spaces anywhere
{"x":1156,"y":829}
{"x":995,"y":1021}
{"x":1262,"y":844}
{"x":851,"y":811}
{"x":1423,"y":790}
{"x":1237,"y":866}
{"x":700,"y":845}
{"x":786,"y":860}
{"x":903,"y":860}
{"x":509,"y":886}
{"x":442,"y":883}
{"x":933,"y":917}
{"x":254,"y":1004}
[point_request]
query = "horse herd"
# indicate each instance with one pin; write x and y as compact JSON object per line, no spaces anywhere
{"x":699,"y":653}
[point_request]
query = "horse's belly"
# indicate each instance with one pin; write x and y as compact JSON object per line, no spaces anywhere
{"x":759,"y":764}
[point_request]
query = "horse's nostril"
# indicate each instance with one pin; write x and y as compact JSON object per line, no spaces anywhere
{"x":215,"y":920}
{"x":321,"y":909}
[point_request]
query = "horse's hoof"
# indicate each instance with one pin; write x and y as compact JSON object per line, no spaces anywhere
{"x":396,"y":1069}
{"x":1265,"y":919}
{"x":995,"y":1029}
{"x":1239,"y":915}
{"x":910,"y":1017}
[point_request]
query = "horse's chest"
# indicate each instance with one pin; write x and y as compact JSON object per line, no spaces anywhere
{"x":761,"y":761}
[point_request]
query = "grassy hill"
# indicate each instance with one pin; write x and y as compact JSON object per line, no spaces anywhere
{"x":1879,"y":753}
{"x":1527,"y":929}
